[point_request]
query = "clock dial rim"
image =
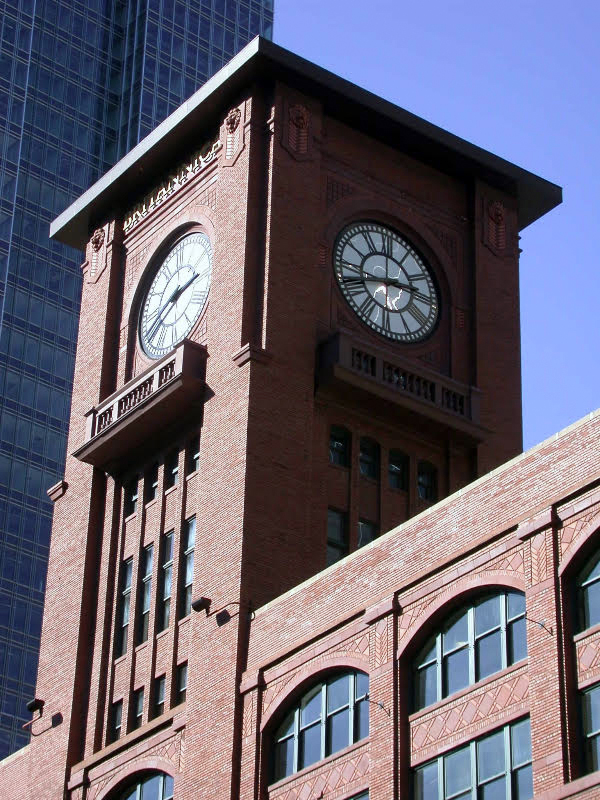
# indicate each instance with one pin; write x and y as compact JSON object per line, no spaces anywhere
{"x":199,"y":290}
{"x":421,"y":303}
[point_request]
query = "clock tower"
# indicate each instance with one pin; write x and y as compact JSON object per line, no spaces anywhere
{"x":299,"y":328}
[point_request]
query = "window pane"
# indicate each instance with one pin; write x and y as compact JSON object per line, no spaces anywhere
{"x":151,"y":788}
{"x":168,"y":786}
{"x":362,"y":684}
{"x":517,"y":641}
{"x":338,"y":693}
{"x":495,"y":790}
{"x":487,"y":615}
{"x":456,"y":671}
{"x":361,"y":713}
{"x":523,"y":784}
{"x":457,"y":769}
{"x":426,"y":782}
{"x":594,"y":572}
{"x":520,"y":735}
{"x":338,"y":732}
{"x":311,"y":708}
{"x":490,"y":756}
{"x":284,"y":758}
{"x":591,"y":711}
{"x":516,"y":604}
{"x":335,"y":527}
{"x":592,"y":754}
{"x":427,"y":686}
{"x":310,"y":746}
{"x":591,"y":604}
{"x":457,"y":634}
{"x":488,"y":653}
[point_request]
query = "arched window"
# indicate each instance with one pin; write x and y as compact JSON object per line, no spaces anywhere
{"x":588,"y":595}
{"x":156,"y":786}
{"x":427,"y":482}
{"x":398,"y":470}
{"x":328,"y":717}
{"x":339,"y":446}
{"x":478,"y":641}
{"x":369,"y":458}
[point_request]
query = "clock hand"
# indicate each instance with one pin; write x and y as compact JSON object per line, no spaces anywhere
{"x":159,"y":315}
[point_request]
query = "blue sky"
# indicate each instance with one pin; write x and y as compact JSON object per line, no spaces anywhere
{"x":520,"y":79}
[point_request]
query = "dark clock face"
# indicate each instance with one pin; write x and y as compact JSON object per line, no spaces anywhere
{"x":385,"y":281}
{"x":177,"y":295}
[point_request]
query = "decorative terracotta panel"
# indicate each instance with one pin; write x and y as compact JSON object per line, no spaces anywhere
{"x":335,"y":777}
{"x":588,"y":657}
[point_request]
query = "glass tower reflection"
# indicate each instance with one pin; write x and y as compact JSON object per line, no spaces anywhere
{"x":80,"y":84}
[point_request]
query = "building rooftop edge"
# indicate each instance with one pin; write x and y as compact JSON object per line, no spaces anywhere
{"x":435,"y":508}
{"x":261,"y":58}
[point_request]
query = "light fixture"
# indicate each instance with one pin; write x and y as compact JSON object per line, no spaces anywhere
{"x":202,"y":604}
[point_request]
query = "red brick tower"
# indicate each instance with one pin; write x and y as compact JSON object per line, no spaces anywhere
{"x":299,"y":328}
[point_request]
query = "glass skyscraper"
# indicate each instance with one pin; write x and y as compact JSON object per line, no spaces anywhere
{"x":81,"y":82}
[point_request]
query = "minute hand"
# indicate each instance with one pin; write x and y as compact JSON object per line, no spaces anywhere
{"x":407,"y":286}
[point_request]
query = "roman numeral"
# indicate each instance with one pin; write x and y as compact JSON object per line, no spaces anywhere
{"x":387,"y":244}
{"x":366,"y":307}
{"x":416,"y":312}
{"x":354,"y":285}
{"x":162,"y":332}
{"x":370,"y":243}
{"x":198,"y":297}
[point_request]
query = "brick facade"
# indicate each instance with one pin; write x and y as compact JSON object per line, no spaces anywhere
{"x":272,"y":172}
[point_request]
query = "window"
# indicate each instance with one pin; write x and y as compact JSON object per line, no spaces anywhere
{"x":116,"y":715}
{"x":146,"y":573}
{"x":476,"y":642}
{"x":157,"y":786}
{"x":159,"y":695}
{"x":495,"y":766}
{"x":172,"y":469}
{"x":151,"y":483}
{"x":398,"y":469}
{"x":131,"y":497}
{"x":182,"y":675}
{"x":164,"y":612}
{"x":329,"y":717}
{"x":590,"y":714}
{"x":367,"y":532}
{"x":337,"y":536}
{"x":339,"y":446}
{"x":589,"y":595}
{"x":369,"y":458}
{"x":427,"y":482}
{"x":137,"y":709}
{"x":192,"y":455}
{"x":187,"y":567}
{"x":124,"y":608}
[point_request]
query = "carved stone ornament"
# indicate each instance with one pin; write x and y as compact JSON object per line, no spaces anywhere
{"x":97,"y":239}
{"x":299,"y":120}
{"x":233,"y":120}
{"x":495,"y":229}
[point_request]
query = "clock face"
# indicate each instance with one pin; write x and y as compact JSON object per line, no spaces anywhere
{"x":177,"y":295}
{"x":385,"y":281}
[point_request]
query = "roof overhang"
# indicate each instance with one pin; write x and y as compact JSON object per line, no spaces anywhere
{"x":261,"y":61}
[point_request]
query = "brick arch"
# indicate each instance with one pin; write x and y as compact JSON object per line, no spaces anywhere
{"x":139,"y":768}
{"x":365,"y":206}
{"x":307,"y":677}
{"x":587,"y":538}
{"x":452,"y":599}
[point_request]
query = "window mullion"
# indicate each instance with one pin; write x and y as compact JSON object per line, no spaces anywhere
{"x":508,"y":760}
{"x":441,"y":769}
{"x":473,"y":757}
{"x":504,"y":628}
{"x":351,"y":702}
{"x":439,"y":665}
{"x":296,"y":739}
{"x":471,"y":628}
{"x":323,"y":720}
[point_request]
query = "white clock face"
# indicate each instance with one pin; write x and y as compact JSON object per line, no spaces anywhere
{"x":177,"y":295}
{"x":385,"y":281}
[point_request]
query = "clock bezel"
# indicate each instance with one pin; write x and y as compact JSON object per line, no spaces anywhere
{"x":154,"y":267}
{"x":425,"y":264}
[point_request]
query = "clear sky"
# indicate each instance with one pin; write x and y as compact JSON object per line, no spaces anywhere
{"x":519,"y":78}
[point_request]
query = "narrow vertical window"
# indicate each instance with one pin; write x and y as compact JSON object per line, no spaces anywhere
{"x":166,"y":580}
{"x":131,"y":497}
{"x":151,"y":483}
{"x":369,"y":458}
{"x":146,"y":591}
{"x":339,"y":446}
{"x":367,"y":532}
{"x":192,"y":456}
{"x":124,"y":609}
{"x":172,"y":469}
{"x":427,"y":482}
{"x":337,"y":536}
{"x":116,"y":714}
{"x":137,"y":709}
{"x":398,"y":467}
{"x":187,"y":566}
{"x":588,"y":595}
{"x":590,"y":706}
{"x":182,"y":676}
{"x":159,"y":695}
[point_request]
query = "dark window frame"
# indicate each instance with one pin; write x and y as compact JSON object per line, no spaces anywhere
{"x":340,"y":446}
{"x":369,"y":458}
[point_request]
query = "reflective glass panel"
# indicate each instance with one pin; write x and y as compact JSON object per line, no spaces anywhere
{"x":490,"y":756}
{"x":456,"y":671}
{"x":517,"y":640}
{"x":488,"y":655}
{"x":520,"y":735}
{"x":338,"y":732}
{"x":426,"y":782}
{"x":457,"y":634}
{"x":487,"y":615}
{"x":311,"y":708}
{"x":457,"y":771}
{"x":523,"y":783}
{"x":310,"y":746}
{"x":338,"y":693}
